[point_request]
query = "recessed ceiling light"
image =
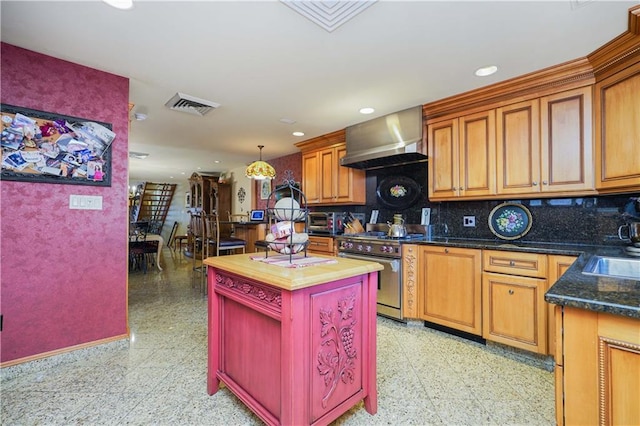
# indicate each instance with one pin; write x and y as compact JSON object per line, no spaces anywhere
{"x":138,"y":155}
{"x":216,"y":161}
{"x":287,"y":121}
{"x":120,"y":4}
{"x":367,"y":110}
{"x":485,"y":71}
{"x":298,"y":133}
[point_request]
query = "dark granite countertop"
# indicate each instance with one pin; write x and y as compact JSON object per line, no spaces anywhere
{"x":602,"y":294}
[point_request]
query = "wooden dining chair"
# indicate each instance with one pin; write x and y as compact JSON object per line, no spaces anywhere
{"x":196,"y":246}
{"x":216,"y":241}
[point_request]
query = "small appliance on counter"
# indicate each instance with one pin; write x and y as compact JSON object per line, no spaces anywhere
{"x":630,"y":233}
{"x":325,"y":223}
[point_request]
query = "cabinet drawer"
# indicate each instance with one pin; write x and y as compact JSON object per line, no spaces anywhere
{"x":515,"y":263}
{"x":321,"y":245}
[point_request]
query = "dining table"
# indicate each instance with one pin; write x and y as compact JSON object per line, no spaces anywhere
{"x":160,"y":240}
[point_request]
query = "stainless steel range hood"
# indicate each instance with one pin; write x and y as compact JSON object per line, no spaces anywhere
{"x":391,"y":140}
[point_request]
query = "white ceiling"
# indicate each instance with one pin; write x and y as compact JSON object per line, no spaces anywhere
{"x":262,"y":61}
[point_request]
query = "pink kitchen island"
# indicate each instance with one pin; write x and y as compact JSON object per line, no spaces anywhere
{"x":296,"y":345}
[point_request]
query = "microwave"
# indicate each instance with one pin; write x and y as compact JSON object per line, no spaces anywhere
{"x":329,"y":223}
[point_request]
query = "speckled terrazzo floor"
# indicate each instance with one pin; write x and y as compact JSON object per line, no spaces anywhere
{"x":158,"y":378}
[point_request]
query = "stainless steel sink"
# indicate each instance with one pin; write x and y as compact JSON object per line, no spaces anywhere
{"x":618,"y":267}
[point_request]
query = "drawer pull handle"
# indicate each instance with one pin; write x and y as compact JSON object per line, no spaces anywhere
{"x":510,"y":291}
{"x":446,"y":250}
{"x":512,"y":263}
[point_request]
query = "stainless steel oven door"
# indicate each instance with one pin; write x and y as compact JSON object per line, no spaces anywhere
{"x":389,"y":284}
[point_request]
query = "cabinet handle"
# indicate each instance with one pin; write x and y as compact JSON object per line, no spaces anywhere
{"x":535,"y":183}
{"x":512,"y":263}
{"x":544,"y":182}
{"x":446,"y":250}
{"x":510,"y":291}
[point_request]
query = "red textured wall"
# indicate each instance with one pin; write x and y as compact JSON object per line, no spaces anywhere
{"x":291,"y":162}
{"x":63,"y":272}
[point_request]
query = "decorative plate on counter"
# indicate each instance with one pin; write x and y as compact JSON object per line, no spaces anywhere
{"x":398,"y":192}
{"x":510,"y":221}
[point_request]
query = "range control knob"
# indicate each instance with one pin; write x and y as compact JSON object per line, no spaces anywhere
{"x":359,"y":247}
{"x":367,"y":248}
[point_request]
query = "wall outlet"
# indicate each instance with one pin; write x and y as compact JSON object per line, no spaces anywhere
{"x":426,"y":216}
{"x":469,"y":221}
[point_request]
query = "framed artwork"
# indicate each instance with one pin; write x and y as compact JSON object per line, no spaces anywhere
{"x":44,"y":147}
{"x":265,"y":188}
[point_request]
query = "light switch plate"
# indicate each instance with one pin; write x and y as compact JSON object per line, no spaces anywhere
{"x":426,"y":216}
{"x":469,"y":221}
{"x":85,"y":202}
{"x":374,"y":216}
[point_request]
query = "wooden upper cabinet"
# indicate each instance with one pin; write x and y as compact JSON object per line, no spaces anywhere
{"x":462,"y":156}
{"x":324,"y":180}
{"x":444,"y":165}
{"x":545,"y":145}
{"x":617,"y":105}
{"x":518,"y":149}
{"x":310,"y":180}
{"x":566,"y":141}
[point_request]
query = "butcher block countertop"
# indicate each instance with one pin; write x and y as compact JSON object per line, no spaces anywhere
{"x":292,"y":278}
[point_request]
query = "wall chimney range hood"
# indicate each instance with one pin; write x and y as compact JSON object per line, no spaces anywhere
{"x":391,"y":140}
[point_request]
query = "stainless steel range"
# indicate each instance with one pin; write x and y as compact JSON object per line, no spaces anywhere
{"x":374,"y":245}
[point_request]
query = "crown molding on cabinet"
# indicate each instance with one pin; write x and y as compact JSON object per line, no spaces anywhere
{"x":607,"y":60}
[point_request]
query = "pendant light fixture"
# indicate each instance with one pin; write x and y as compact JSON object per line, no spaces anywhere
{"x":260,"y":170}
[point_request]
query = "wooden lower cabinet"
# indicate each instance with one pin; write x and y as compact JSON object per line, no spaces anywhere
{"x":321,"y":245}
{"x":558,"y":265}
{"x":599,"y":371}
{"x":513,"y":308}
{"x":449,"y":293}
{"x":514,"y":311}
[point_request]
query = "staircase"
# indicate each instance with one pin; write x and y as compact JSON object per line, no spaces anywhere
{"x":153,"y":204}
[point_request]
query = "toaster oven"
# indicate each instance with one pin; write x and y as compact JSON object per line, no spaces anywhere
{"x":329,"y":223}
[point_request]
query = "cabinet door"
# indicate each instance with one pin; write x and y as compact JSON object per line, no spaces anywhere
{"x":558,"y":265}
{"x":477,"y":154}
{"x":567,"y":147}
{"x":450,"y":287}
{"x":311,"y":179}
{"x":328,"y":176}
{"x":617,"y":104}
{"x":601,"y":368}
{"x":321,"y":245}
{"x":444,"y":162}
{"x":518,"y":148}
{"x":350,"y":183}
{"x":514,"y":311}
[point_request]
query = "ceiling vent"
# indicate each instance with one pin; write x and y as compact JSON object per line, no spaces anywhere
{"x":328,"y":14}
{"x":190,"y":104}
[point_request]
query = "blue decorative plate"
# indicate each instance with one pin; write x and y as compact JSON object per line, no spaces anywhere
{"x":510,"y":221}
